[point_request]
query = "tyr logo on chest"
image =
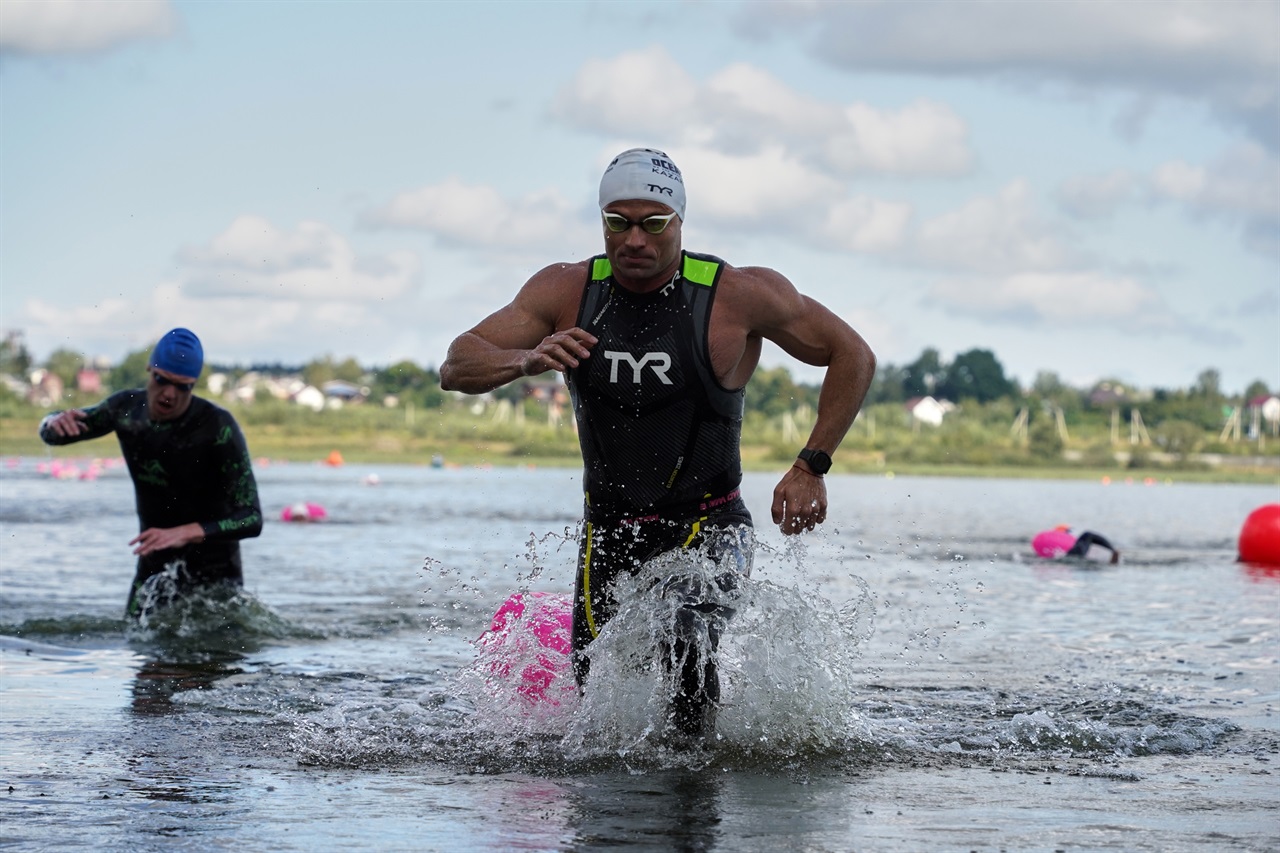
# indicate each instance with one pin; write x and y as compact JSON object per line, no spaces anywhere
{"x":660,"y":362}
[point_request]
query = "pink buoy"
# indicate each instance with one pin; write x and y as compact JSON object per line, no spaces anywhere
{"x":1260,"y":536}
{"x":1052,"y":544}
{"x":532,"y":631}
{"x":303,"y":512}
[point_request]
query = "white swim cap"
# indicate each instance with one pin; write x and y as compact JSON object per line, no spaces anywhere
{"x":643,"y":174}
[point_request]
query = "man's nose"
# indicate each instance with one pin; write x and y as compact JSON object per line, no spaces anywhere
{"x":637,"y":236}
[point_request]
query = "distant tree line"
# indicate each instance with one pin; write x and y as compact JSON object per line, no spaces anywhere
{"x":972,"y":377}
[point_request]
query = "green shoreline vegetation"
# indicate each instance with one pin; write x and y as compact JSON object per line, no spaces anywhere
{"x":986,"y":425}
{"x":959,"y":448}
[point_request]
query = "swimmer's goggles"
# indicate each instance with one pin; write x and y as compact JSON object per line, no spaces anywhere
{"x":617,"y":223}
{"x":162,"y":381}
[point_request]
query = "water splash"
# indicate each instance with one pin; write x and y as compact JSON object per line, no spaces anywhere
{"x":795,"y":691}
{"x":173,"y":614}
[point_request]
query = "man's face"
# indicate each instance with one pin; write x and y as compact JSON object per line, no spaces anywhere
{"x":168,"y":394}
{"x":638,"y":256}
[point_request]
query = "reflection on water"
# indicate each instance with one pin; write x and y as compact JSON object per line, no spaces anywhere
{"x":674,"y":810}
{"x":912,"y":676}
{"x":158,"y":680}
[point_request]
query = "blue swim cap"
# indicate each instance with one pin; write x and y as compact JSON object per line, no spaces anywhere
{"x":179,"y":352}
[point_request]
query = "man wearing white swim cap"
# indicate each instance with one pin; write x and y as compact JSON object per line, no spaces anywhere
{"x":657,"y":345}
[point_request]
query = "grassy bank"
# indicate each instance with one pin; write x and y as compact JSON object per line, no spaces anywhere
{"x":376,"y":436}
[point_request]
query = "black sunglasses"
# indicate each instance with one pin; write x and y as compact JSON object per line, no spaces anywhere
{"x":164,"y":380}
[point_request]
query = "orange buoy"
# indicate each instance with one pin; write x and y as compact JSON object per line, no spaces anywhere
{"x":335,"y":459}
{"x":1260,"y":536}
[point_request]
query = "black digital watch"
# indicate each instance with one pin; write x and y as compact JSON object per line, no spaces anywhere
{"x":818,"y":460}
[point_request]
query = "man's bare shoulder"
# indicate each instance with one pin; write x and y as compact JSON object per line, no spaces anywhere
{"x":756,"y":288}
{"x":559,"y":275}
{"x":551,"y":295}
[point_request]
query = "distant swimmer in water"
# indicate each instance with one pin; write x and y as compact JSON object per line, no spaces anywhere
{"x":1062,"y":542}
{"x":191,"y":469}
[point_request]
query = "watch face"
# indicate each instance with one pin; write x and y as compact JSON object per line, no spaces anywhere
{"x":818,"y":460}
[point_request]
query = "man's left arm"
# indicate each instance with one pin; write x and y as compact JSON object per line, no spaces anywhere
{"x":238,"y":487}
{"x":238,"y":495}
{"x":809,"y":331}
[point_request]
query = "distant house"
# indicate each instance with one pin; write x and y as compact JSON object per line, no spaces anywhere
{"x":346,"y":391}
{"x":311,"y":397}
{"x":549,"y":391}
{"x":1108,"y":394}
{"x":928,"y":410}
{"x":89,"y":381}
{"x":1267,"y":406}
{"x":46,"y":388}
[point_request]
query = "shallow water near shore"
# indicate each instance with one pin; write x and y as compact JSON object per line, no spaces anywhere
{"x":910,"y":678}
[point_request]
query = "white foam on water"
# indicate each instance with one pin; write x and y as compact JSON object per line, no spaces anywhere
{"x":216,"y":616}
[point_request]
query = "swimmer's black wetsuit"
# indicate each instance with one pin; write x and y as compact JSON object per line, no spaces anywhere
{"x":660,"y":441}
{"x":1087,"y":539}
{"x":195,"y":468}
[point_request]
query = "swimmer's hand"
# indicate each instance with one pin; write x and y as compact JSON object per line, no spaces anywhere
{"x":163,"y":538}
{"x":558,"y":352}
{"x":799,"y":501}
{"x":67,"y":424}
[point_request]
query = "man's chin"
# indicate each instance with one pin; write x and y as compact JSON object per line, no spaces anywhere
{"x":636,"y":267}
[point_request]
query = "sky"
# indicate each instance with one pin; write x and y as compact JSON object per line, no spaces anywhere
{"x":1088,"y":189}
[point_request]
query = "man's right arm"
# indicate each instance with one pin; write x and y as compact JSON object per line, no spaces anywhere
{"x":72,"y":425}
{"x":531,"y":335}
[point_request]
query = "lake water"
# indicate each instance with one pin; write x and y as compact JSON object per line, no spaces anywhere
{"x":910,"y":678}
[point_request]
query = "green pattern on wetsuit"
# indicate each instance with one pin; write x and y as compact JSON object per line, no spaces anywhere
{"x":195,"y":468}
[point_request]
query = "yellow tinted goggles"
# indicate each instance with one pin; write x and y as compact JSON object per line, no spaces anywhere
{"x":617,"y":223}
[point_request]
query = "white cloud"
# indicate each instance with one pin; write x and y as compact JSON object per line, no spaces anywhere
{"x":252,"y":243}
{"x":923,"y":138}
{"x":1242,"y":183}
{"x":764,"y":187}
{"x":234,"y":328}
{"x":1225,"y":53}
{"x":476,"y":216}
{"x":311,"y":263}
{"x":993,"y":234}
{"x":1057,"y":298}
{"x":866,"y":224}
{"x":1178,"y":180}
{"x":640,"y":92}
{"x":1096,"y":196}
{"x":81,"y":26}
{"x":749,"y":97}
{"x":1240,"y":188}
{"x":743,"y":110}
{"x":222,"y":324}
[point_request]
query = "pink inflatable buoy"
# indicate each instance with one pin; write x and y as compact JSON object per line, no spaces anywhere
{"x":532,"y":632}
{"x":303,"y":512}
{"x":1052,"y":544}
{"x":1260,"y":536}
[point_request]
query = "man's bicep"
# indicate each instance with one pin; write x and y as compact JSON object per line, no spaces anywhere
{"x":513,"y":327}
{"x":803,"y":327}
{"x":536,"y":311}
